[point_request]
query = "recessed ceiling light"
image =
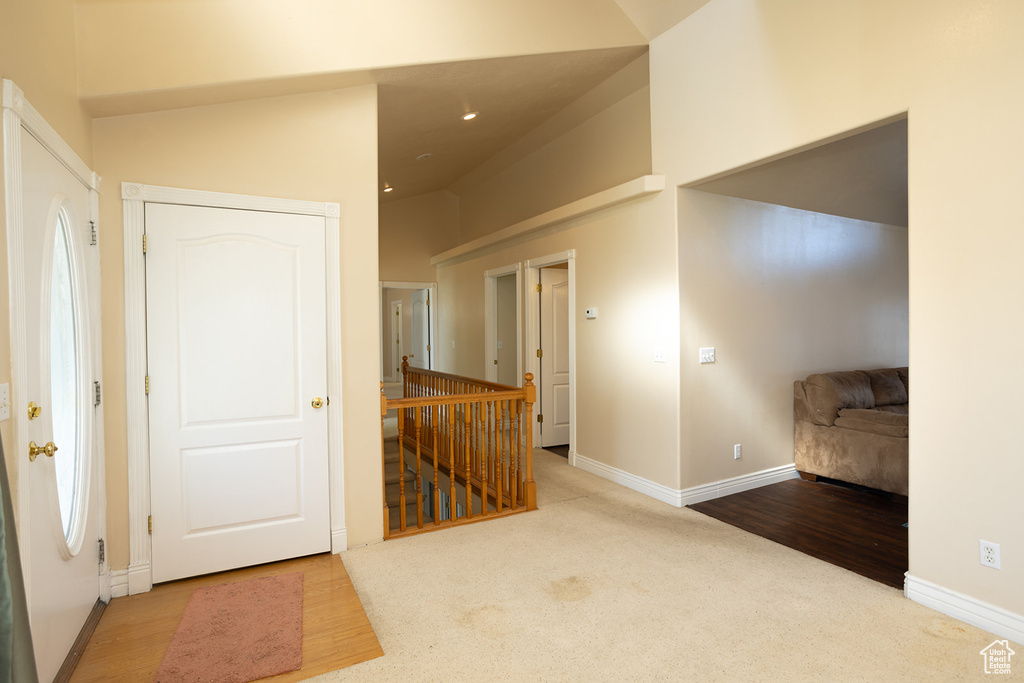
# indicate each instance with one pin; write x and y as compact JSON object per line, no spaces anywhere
{"x":470,"y":116}
{"x":424,"y":156}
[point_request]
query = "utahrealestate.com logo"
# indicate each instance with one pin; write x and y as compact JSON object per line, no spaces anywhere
{"x":997,"y":657}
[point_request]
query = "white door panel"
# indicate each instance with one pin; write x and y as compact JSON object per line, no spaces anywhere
{"x":555,"y":366}
{"x":62,"y":328}
{"x":420,"y":358}
{"x":236,"y":317}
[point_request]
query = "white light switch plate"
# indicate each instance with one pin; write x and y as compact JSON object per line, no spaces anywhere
{"x":707,"y":354}
{"x":590,"y":313}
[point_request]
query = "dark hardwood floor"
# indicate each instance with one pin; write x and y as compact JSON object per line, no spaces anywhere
{"x":858,"y":529}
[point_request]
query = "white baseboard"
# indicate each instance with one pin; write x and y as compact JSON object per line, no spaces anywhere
{"x":339,"y":540}
{"x":994,"y":619}
{"x":744,"y":482}
{"x":682,"y":497}
{"x":119,"y":583}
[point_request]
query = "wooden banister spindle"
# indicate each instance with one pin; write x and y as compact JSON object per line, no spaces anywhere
{"x":401,"y":471}
{"x":451,"y":463}
{"x":499,"y":455}
{"x":419,"y":466}
{"x":529,"y":486}
{"x":467,"y":417}
{"x":437,"y":486}
{"x":517,"y":474}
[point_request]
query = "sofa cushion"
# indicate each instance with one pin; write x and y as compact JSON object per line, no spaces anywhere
{"x":899,"y":410}
{"x":904,"y":374}
{"x":887,"y":387}
{"x":829,"y":392}
{"x":874,"y":422}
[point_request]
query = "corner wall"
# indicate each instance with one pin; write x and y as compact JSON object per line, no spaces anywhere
{"x":744,"y":80}
{"x":317,"y":147}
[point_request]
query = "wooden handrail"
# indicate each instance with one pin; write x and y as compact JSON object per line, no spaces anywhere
{"x":477,"y":434}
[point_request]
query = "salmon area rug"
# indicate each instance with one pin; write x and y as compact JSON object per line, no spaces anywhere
{"x":238,"y":632}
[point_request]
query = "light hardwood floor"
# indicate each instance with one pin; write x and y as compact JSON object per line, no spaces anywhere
{"x":134,"y":632}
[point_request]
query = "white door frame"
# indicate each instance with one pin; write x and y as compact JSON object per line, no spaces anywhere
{"x":135,"y":196}
{"x":18,"y":114}
{"x":491,"y":320}
{"x":396,"y":312}
{"x":533,"y":267}
{"x":391,"y":284}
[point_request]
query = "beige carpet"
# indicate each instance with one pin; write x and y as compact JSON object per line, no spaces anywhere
{"x":603,"y":583}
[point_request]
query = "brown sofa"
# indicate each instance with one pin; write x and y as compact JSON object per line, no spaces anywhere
{"x":853,"y":426}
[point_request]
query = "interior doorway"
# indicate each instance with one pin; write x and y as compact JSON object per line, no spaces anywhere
{"x":552,"y":332}
{"x":407,"y":324}
{"x":503,"y":358}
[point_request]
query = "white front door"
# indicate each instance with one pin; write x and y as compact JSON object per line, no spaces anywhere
{"x":554,"y":363}
{"x":236,"y":325}
{"x":61,"y":304}
{"x":419,"y":357}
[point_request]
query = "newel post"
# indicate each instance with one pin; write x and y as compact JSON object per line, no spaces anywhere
{"x":530,"y":486}
{"x":383,"y":473}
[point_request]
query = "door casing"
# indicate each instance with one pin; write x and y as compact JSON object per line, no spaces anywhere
{"x":139,"y":576}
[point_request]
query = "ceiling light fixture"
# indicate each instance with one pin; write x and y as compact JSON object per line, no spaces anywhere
{"x":387,"y":188}
{"x":470,"y":116}
{"x":424,"y":156}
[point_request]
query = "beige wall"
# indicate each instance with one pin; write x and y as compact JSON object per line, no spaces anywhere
{"x":779,"y":293}
{"x":627,"y":406}
{"x":319,"y":147}
{"x":742,"y":80}
{"x":414,"y":229}
{"x":140,"y":46}
{"x":602,"y":140}
{"x":37,"y":52}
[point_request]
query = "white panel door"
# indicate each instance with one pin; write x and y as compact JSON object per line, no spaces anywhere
{"x":236,"y":325}
{"x":63,"y":347}
{"x":554,"y":364}
{"x":420,"y":351}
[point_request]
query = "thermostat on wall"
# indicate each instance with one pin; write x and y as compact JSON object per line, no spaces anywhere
{"x":591,"y":313}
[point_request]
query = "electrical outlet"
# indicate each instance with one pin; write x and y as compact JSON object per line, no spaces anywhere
{"x":5,"y":401}
{"x":989,"y":552}
{"x":737,"y":452}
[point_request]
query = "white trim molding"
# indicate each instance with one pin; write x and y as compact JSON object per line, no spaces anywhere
{"x":683,"y":497}
{"x":118,"y":583}
{"x":634,"y":189}
{"x":994,"y":619}
{"x":135,"y":196}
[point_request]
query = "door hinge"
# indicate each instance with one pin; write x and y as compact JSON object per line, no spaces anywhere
{"x":540,"y":353}
{"x":540,"y":417}
{"x":143,"y":244}
{"x":103,"y":552}
{"x":93,"y":237}
{"x":428,"y":347}
{"x":96,"y":394}
{"x":147,"y":385}
{"x":540,"y":288}
{"x":151,"y":524}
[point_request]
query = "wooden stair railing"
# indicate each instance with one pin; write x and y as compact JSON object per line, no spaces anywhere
{"x":476,"y":435}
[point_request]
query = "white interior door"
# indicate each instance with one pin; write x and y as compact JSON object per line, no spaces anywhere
{"x":419,"y":356}
{"x":554,"y":363}
{"x":236,"y":318}
{"x":61,"y":304}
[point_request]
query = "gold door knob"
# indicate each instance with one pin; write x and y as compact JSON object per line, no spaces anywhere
{"x":33,"y":450}
{"x":318,"y":402}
